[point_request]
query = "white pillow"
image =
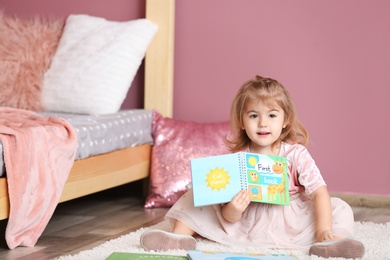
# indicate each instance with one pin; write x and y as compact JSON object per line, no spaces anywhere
{"x":94,"y":64}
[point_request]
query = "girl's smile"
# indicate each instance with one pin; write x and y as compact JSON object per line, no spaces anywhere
{"x":263,"y":133}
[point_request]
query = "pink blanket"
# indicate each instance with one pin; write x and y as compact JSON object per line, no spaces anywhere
{"x":38,"y":154}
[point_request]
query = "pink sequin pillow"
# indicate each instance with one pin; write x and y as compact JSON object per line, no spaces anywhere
{"x":175,"y":144}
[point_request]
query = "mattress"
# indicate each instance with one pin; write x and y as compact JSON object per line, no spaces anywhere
{"x":98,"y":134}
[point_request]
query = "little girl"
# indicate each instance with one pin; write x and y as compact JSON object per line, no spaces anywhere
{"x":263,"y":120}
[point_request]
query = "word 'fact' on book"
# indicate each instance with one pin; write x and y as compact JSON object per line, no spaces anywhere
{"x":217,"y":179}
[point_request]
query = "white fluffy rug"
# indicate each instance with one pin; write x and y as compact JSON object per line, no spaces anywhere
{"x":376,"y":238}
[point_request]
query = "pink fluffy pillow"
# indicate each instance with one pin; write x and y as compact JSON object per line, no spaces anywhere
{"x":26,"y":49}
{"x":175,"y":144}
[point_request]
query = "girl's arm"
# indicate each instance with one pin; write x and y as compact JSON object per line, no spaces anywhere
{"x":323,"y":214}
{"x":232,"y":211}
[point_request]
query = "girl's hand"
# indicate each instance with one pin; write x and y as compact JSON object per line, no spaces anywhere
{"x":241,"y":201}
{"x":326,"y":235}
{"x":232,"y":211}
{"x":323,"y":214}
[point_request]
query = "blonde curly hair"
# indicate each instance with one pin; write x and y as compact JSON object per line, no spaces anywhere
{"x":270,"y":92}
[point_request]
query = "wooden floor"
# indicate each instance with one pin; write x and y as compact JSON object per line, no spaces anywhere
{"x":87,"y":222}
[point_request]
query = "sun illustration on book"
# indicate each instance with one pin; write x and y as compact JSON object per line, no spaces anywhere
{"x":252,"y":161}
{"x":217,"y":179}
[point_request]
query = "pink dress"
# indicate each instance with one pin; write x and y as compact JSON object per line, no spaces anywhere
{"x":269,"y":225}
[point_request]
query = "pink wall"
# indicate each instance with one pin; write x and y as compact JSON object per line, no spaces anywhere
{"x":332,"y":55}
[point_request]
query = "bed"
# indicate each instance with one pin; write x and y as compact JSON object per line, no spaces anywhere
{"x":104,"y":171}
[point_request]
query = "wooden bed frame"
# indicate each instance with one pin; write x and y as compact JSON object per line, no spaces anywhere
{"x":113,"y":169}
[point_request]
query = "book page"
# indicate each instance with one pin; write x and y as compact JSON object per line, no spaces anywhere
{"x":267,"y":178}
{"x":215,"y":179}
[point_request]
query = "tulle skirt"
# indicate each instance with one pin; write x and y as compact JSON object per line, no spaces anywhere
{"x":262,"y":225}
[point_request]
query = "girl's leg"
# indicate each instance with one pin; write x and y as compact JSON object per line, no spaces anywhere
{"x":179,"y":238}
{"x":180,"y":228}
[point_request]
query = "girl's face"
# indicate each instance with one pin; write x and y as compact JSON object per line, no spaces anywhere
{"x":263,"y":124}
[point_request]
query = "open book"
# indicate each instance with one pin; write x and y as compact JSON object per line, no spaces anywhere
{"x":211,"y":255}
{"x":216,"y":179}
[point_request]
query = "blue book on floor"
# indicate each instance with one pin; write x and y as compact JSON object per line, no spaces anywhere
{"x":211,"y":255}
{"x":216,"y":179}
